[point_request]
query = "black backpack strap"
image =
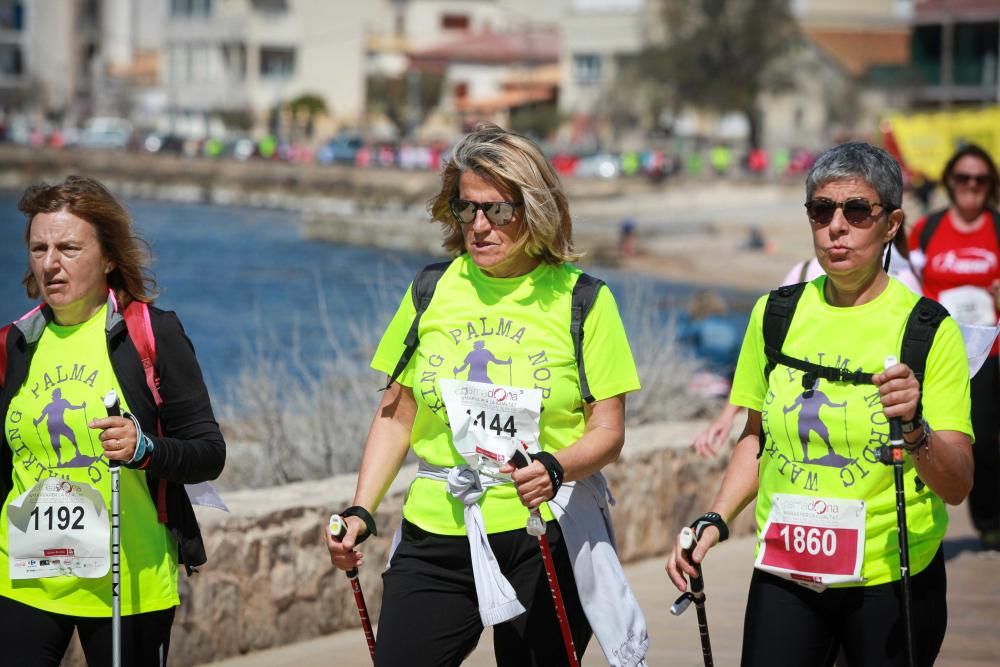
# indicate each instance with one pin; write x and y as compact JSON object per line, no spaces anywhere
{"x":422,"y":291}
{"x":778,"y":312}
{"x":930,"y":226}
{"x":918,"y":336}
{"x":584,"y":296}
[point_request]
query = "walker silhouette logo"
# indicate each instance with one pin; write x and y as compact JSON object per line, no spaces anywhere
{"x":57,"y":436}
{"x":809,"y":437}
{"x":487,"y":349}
{"x":478,"y":360}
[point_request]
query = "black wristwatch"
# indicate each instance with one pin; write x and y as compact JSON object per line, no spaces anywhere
{"x":710,"y":519}
{"x":913,"y":424}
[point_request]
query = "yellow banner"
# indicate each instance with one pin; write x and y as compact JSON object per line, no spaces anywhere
{"x":927,"y":140}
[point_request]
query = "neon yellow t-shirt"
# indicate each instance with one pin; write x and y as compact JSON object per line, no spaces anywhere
{"x":824,"y":445}
{"x":525,"y":319}
{"x":46,"y":427}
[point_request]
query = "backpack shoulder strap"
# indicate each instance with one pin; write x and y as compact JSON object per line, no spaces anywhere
{"x":140,"y":330}
{"x":930,"y":226}
{"x":996,"y":223}
{"x":778,"y":313}
{"x":918,"y":336}
{"x":3,"y":353}
{"x":584,"y":296}
{"x":422,"y":291}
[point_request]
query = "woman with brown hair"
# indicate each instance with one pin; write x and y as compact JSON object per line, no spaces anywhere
{"x":95,"y":331}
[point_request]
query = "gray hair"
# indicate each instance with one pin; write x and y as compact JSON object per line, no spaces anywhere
{"x":516,"y":164}
{"x":864,"y":161}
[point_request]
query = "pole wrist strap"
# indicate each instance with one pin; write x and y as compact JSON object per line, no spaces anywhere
{"x":553,"y":467}
{"x":710,"y":519}
{"x":364,"y":515}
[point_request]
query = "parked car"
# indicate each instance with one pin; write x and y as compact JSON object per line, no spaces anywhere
{"x":341,"y":149}
{"x":106,"y":133}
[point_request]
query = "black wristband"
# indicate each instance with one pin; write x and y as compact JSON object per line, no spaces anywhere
{"x":364,"y":515}
{"x":553,"y":467}
{"x":710,"y":519}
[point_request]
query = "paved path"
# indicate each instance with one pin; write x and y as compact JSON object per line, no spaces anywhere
{"x":973,"y":638}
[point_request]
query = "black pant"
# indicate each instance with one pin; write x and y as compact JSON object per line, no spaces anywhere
{"x":30,"y":637}
{"x":984,"y":501}
{"x":789,"y":625}
{"x":430,"y":613}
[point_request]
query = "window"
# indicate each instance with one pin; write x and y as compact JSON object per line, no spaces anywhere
{"x":277,"y":62}
{"x":270,"y":6}
{"x":10,"y":60}
{"x":455,"y":21}
{"x":11,"y":15}
{"x":586,"y":68}
{"x":191,"y":8}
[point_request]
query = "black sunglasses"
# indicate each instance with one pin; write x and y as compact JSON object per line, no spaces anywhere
{"x":499,"y":213}
{"x":857,"y":210}
{"x":978,"y":180}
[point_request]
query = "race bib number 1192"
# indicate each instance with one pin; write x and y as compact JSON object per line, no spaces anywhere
{"x":58,"y":528}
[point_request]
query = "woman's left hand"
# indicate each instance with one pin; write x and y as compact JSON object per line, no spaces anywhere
{"x":899,"y":390}
{"x":534,"y":486}
{"x":118,"y":437}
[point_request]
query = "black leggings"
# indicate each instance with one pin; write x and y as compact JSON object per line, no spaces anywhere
{"x":430,"y":614}
{"x":790,"y":625}
{"x":984,"y":501}
{"x":30,"y":637}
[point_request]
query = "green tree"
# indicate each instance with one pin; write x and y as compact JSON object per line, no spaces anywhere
{"x":304,"y":109}
{"x":405,"y":100}
{"x":722,"y":54}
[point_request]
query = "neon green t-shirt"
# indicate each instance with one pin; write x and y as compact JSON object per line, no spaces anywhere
{"x":824,"y":445}
{"x":525,"y":319}
{"x":46,"y":427}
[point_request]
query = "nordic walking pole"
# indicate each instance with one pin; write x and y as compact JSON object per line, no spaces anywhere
{"x":338,"y":528}
{"x":894,"y":457}
{"x":114,"y":410}
{"x":696,"y":595}
{"x":536,"y":527}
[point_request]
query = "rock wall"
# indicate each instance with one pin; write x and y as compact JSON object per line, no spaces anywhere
{"x":269,"y":582}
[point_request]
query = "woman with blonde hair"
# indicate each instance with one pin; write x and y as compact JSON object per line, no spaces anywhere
{"x":482,"y":372}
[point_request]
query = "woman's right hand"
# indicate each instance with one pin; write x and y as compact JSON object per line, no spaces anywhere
{"x":678,"y":565}
{"x":342,"y":553}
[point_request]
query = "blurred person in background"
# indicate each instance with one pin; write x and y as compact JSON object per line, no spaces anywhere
{"x":464,"y":560}
{"x":956,"y":252}
{"x":90,"y":270}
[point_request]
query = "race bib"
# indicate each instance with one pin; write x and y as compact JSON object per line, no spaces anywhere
{"x":58,"y":528}
{"x":969,"y":305}
{"x":489,"y":421}
{"x":814,"y":542}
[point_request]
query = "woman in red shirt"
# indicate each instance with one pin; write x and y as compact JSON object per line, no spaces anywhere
{"x":957,"y":254}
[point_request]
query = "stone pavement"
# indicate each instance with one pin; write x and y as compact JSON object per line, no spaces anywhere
{"x":973,"y":638}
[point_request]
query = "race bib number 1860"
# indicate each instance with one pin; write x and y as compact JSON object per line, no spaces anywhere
{"x":813,"y":541}
{"x":58,"y":528}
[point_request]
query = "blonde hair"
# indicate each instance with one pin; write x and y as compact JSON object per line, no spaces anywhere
{"x":515,"y":164}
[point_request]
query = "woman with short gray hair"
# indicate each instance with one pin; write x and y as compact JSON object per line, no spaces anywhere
{"x":818,"y":375}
